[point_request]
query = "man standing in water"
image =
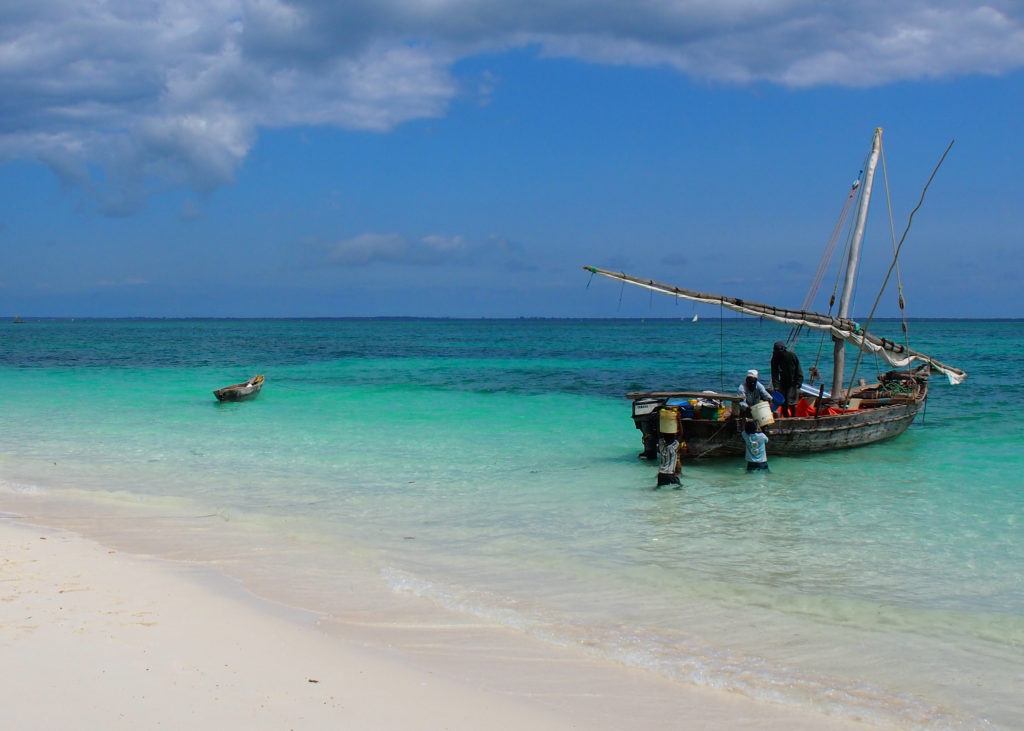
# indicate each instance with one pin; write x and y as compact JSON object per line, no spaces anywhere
{"x":669,"y":465}
{"x":755,"y":443}
{"x":786,"y":377}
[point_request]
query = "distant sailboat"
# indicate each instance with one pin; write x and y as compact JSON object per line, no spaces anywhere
{"x":694,"y":318}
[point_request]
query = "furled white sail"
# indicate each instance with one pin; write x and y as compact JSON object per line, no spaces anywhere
{"x":842,"y":328}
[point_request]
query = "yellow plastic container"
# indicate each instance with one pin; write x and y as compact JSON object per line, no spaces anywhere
{"x":668,"y":420}
{"x":762,"y":413}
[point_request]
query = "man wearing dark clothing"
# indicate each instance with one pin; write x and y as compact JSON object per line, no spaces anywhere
{"x":787,"y":377}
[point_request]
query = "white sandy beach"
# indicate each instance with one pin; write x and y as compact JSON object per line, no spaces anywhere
{"x":95,"y":638}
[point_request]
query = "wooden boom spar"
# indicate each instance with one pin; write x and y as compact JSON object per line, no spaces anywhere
{"x":841,"y":328}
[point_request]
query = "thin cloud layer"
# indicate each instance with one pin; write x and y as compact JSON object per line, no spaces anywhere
{"x":370,"y":248}
{"x":118,"y":95}
{"x":431,"y":250}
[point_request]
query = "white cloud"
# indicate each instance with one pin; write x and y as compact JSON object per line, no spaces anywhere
{"x":369,"y":248}
{"x":177,"y":90}
{"x":448,"y":244}
{"x":125,"y":282}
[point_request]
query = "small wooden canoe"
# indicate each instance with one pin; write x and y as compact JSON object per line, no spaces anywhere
{"x":240,"y":391}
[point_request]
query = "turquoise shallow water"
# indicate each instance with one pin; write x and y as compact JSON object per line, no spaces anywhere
{"x":490,"y":466}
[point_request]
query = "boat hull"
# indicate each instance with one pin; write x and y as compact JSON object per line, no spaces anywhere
{"x":801,"y":435}
{"x":240,"y":391}
{"x":237,"y":394}
{"x":705,"y":438}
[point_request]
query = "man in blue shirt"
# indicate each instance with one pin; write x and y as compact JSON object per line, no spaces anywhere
{"x":756,"y":447}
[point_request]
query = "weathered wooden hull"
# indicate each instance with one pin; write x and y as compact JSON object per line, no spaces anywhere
{"x":801,"y":435}
{"x":237,"y":394}
{"x":705,"y":438}
{"x":240,"y":391}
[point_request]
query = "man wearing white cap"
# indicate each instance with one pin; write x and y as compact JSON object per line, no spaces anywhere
{"x":752,"y":391}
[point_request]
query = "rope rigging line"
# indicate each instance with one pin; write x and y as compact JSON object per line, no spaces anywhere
{"x":830,"y":245}
{"x":896,"y":256}
{"x":711,"y":439}
{"x":721,"y":343}
{"x":826,"y":257}
{"x":860,"y":253}
{"x":839,"y":271}
{"x":892,"y":234}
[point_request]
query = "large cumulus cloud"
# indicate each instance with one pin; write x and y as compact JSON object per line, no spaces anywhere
{"x":117,"y":94}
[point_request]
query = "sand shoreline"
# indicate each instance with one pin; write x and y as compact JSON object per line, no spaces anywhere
{"x":131,"y":641}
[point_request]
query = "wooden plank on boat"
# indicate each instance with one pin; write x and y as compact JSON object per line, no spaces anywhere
{"x":634,"y":395}
{"x":867,"y":403}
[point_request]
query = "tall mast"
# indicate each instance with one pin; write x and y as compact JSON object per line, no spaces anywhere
{"x":839,"y":352}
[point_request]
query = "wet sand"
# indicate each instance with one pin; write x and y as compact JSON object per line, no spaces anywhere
{"x":93,"y":637}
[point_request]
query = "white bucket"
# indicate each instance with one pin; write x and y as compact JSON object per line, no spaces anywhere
{"x":762,"y":413}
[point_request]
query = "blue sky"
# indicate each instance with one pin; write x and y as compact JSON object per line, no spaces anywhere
{"x":465,"y":158}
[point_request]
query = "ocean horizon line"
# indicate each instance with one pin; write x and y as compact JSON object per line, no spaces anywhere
{"x":440,"y":318}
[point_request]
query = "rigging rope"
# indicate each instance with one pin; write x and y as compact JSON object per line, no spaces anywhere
{"x":839,"y":271}
{"x":721,"y":343}
{"x":826,"y":257}
{"x":892,"y":234}
{"x":896,"y":256}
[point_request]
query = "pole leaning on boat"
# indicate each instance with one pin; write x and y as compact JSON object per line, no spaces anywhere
{"x":839,"y":347}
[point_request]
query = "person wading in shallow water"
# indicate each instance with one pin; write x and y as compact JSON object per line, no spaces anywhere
{"x":756,"y":444}
{"x":669,"y":464}
{"x":787,"y":377}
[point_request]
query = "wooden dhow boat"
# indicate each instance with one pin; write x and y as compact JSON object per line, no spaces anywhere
{"x":873,"y":413}
{"x":240,"y":391}
{"x":845,"y":417}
